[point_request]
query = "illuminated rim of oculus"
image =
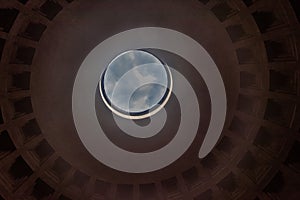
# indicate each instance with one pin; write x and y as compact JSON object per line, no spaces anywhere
{"x":136,"y":84}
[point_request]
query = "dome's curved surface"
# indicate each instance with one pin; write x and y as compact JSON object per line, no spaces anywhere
{"x":255,"y":45}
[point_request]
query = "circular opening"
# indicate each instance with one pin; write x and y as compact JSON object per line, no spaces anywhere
{"x":136,"y":84}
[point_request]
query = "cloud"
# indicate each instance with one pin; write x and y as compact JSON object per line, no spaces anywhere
{"x":125,"y":80}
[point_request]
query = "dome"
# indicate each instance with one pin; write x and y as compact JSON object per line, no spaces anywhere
{"x":149,"y":100}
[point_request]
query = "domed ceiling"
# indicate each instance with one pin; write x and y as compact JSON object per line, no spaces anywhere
{"x":230,"y":128}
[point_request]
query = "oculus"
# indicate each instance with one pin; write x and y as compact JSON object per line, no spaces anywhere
{"x":136,"y":84}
